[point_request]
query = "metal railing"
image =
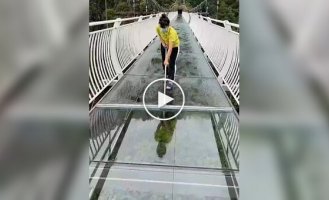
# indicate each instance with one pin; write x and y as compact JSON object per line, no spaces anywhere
{"x":112,"y":49}
{"x":104,"y":126}
{"x":228,"y":128}
{"x":222,"y":49}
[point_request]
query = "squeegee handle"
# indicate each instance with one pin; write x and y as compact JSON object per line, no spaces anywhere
{"x":165,"y":82}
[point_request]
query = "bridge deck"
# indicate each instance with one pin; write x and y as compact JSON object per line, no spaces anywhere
{"x":194,"y":74}
{"x":137,"y":159}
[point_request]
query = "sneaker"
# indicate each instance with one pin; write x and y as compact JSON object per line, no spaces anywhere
{"x":168,"y":87}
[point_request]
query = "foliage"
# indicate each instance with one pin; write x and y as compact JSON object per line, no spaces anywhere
{"x":96,"y":10}
{"x":123,"y":7}
{"x":111,"y":13}
{"x":227,"y":9}
{"x":142,"y":6}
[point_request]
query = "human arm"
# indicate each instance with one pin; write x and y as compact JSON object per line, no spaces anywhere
{"x":170,"y":47}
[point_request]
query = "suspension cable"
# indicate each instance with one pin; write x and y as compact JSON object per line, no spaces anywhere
{"x":198,"y":7}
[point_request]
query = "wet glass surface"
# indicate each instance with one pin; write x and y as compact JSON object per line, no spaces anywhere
{"x":193,"y":139}
{"x":130,"y":182}
{"x":198,"y":92}
{"x":174,"y":142}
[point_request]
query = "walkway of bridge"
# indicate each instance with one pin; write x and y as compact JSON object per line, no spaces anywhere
{"x":194,"y":74}
{"x":194,"y":156}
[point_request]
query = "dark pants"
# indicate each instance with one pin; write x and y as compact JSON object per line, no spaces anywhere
{"x":171,"y":69}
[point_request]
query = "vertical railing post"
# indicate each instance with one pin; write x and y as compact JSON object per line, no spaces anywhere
{"x":209,"y":20}
{"x":227,"y":25}
{"x":113,"y":49}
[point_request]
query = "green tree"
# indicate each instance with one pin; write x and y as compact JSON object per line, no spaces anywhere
{"x":122,"y":7}
{"x":111,"y":14}
{"x":96,"y":10}
{"x":230,"y":15}
{"x":222,"y":11}
{"x":229,"y":10}
{"x":142,"y":6}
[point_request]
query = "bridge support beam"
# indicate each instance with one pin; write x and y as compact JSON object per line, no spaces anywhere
{"x":113,"y":49}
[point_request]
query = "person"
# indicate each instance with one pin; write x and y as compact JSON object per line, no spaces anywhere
{"x":169,"y":47}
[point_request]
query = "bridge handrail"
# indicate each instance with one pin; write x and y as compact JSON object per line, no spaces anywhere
{"x":222,"y":50}
{"x":113,"y":49}
{"x":119,"y":20}
{"x":228,"y":128}
{"x":225,"y":21}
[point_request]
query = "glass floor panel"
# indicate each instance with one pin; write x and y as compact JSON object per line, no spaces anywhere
{"x":182,"y":145}
{"x":130,"y":182}
{"x":189,"y":64}
{"x":133,"y":156}
{"x":193,"y":139}
{"x":198,"y":92}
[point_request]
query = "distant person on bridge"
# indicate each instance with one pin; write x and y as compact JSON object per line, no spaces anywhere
{"x":169,"y":47}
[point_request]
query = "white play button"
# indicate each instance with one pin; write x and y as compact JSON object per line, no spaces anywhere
{"x":163,"y":99}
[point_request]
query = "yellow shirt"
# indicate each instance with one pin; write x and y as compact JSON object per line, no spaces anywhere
{"x":170,"y":36}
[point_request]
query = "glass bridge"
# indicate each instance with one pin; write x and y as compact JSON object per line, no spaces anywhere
{"x":193,"y":156}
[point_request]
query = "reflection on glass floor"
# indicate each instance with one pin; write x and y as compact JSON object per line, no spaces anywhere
{"x":190,"y":156}
{"x":194,"y":156}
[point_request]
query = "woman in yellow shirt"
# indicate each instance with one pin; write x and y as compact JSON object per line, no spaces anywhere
{"x":169,"y":47}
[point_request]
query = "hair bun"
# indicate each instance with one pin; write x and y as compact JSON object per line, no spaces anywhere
{"x":164,"y":21}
